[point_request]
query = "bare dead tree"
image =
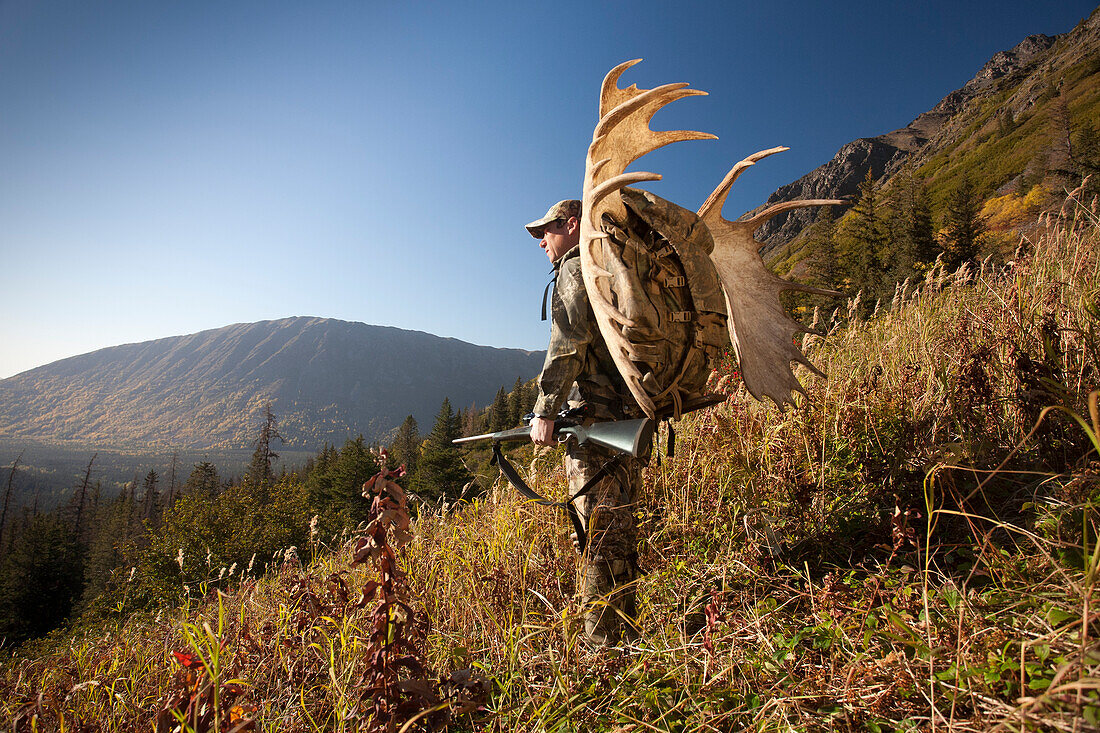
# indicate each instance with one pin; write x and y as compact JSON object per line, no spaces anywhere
{"x":83,"y":491}
{"x":172,"y":479}
{"x":7,"y":496}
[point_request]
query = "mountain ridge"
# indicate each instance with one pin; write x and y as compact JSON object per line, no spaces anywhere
{"x":326,"y":379}
{"x":1021,"y":70}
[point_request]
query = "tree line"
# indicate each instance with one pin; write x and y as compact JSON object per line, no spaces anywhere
{"x":891,"y":234}
{"x":898,"y":230}
{"x":164,"y":538}
{"x":438,"y":470}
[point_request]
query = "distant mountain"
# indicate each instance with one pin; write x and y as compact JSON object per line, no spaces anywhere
{"x":326,"y":380}
{"x":990,"y":129}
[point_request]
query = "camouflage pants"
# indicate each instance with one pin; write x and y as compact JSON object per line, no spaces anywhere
{"x":609,"y":564}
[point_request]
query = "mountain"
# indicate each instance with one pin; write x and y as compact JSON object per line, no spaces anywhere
{"x":990,"y":130}
{"x":326,"y":380}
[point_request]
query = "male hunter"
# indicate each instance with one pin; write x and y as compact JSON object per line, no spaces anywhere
{"x":579,"y":373}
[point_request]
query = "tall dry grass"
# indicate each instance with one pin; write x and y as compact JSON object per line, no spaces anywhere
{"x":914,"y":548}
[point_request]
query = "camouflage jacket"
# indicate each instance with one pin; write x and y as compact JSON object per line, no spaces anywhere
{"x":578,"y":368}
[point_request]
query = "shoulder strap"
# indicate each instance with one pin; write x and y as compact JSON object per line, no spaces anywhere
{"x":517,"y":481}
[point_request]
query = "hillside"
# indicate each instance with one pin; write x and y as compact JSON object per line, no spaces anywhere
{"x":325,"y":379}
{"x":992,"y":129}
{"x":913,"y":548}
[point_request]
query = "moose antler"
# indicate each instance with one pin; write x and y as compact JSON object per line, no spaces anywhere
{"x":621,"y":136}
{"x":760,"y":329}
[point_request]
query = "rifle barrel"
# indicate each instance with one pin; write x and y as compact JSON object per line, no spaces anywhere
{"x":513,"y":434}
{"x":472,"y":438}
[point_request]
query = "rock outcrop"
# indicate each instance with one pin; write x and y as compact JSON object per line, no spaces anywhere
{"x":1024,"y":68}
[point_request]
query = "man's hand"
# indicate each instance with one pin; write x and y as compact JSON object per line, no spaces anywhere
{"x":542,"y":431}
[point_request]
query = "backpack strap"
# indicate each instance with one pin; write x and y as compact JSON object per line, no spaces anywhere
{"x":546,"y":292}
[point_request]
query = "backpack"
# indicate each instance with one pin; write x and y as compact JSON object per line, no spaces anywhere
{"x":662,"y":331}
{"x":664,"y":280}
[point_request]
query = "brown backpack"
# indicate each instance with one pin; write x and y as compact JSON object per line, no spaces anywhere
{"x":665,"y":283}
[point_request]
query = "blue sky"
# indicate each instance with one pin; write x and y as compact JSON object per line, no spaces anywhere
{"x":169,"y":167}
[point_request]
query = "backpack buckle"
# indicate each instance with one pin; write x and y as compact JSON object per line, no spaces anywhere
{"x":681,"y":316}
{"x":676,"y":281}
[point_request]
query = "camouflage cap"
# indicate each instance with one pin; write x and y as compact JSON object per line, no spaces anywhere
{"x":561,"y":210}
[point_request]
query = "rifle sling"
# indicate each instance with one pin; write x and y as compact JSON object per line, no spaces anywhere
{"x":546,"y":291}
{"x":517,"y":481}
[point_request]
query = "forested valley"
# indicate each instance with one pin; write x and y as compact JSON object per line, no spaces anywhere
{"x":167,"y":537}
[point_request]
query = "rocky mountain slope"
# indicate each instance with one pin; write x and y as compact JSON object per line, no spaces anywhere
{"x":1014,"y":84}
{"x":326,"y":380}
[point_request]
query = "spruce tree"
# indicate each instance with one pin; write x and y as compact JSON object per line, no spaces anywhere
{"x":498,"y":413}
{"x":516,"y":401}
{"x":336,"y":490}
{"x":1086,"y":158}
{"x":203,"y":480}
{"x":441,"y":471}
{"x":824,"y":266}
{"x":172,"y":480}
{"x":107,"y":549}
{"x":963,"y":224}
{"x":915,"y":239}
{"x":41,"y":578}
{"x":530,"y":395}
{"x":405,"y":448}
{"x":920,"y":231}
{"x":150,"y":498}
{"x":863,"y":240}
{"x":1086,"y":149}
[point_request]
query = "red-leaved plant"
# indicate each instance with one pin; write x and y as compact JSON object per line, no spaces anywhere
{"x":396,"y":687}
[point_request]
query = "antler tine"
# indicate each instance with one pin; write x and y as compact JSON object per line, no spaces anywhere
{"x":755,"y":222}
{"x":788,"y":285}
{"x":619,"y":317}
{"x":632,"y":99}
{"x":760,"y":329}
{"x":783,"y":284}
{"x":617,"y":344}
{"x":610,"y":94}
{"x":663,"y":138}
{"x":612,"y":185}
{"x":621,"y":136}
{"x":602,"y":306}
{"x":647,"y":101}
{"x":717,"y":199}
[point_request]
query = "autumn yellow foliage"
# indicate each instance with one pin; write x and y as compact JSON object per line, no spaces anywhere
{"x":1011,"y":211}
{"x":1006,"y":216}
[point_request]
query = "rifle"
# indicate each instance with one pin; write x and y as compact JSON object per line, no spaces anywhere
{"x":629,"y":437}
{"x":624,"y":436}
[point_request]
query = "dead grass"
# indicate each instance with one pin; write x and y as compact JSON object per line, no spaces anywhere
{"x":907,"y":551}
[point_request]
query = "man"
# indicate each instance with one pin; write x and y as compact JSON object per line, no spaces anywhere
{"x":579,"y":373}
